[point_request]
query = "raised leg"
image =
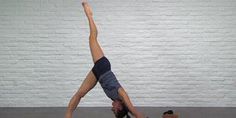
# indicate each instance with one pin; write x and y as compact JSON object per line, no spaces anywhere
{"x":89,"y":83}
{"x":96,"y":50}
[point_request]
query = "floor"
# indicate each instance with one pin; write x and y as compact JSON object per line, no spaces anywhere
{"x":105,"y":112}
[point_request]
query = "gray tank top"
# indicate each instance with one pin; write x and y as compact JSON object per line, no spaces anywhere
{"x":110,"y":85}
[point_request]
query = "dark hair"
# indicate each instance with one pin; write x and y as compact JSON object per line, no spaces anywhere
{"x":122,"y":113}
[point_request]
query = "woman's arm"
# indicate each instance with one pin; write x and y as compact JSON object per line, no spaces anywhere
{"x":126,"y":100}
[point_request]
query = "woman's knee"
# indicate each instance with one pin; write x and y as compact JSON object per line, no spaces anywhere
{"x":93,"y":36}
{"x":81,"y":94}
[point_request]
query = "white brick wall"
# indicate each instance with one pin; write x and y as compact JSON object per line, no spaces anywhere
{"x":164,"y":52}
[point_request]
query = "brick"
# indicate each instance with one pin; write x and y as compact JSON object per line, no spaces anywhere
{"x":163,"y":52}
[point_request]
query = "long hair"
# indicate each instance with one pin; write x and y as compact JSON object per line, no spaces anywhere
{"x":122,"y":113}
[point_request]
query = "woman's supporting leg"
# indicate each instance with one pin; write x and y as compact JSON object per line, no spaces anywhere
{"x":89,"y":83}
{"x":96,"y":50}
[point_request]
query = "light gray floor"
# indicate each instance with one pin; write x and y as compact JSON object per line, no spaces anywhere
{"x":105,"y":112}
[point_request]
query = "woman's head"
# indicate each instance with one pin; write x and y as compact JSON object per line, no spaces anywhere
{"x":119,"y":109}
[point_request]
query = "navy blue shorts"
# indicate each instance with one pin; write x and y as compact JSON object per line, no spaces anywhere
{"x":101,"y":66}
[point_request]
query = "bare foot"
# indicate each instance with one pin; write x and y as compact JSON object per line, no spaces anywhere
{"x":87,"y":9}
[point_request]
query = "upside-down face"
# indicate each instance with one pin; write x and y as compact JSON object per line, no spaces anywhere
{"x":116,"y":106}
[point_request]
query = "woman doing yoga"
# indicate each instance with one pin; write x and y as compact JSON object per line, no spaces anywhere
{"x":101,"y":72}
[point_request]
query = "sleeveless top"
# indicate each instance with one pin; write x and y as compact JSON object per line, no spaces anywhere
{"x":110,"y":85}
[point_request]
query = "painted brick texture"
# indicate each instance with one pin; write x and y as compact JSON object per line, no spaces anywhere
{"x":163,"y":52}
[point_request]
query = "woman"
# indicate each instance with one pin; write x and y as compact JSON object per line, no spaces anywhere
{"x":101,"y":72}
